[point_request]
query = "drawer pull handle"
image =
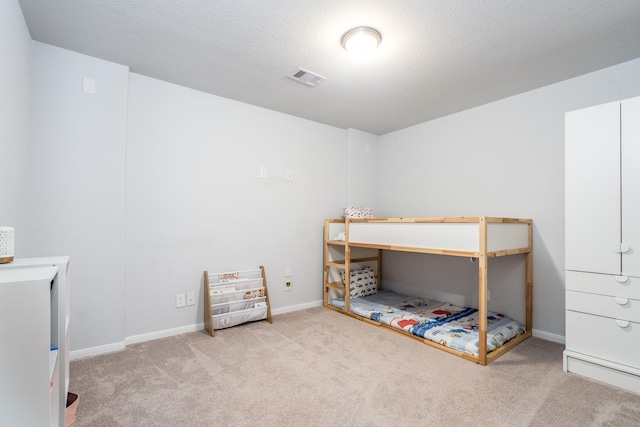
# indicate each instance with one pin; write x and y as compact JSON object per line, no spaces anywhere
{"x":621,"y":248}
{"x":621,"y":279}
{"x":621,"y":301}
{"x":622,"y":323}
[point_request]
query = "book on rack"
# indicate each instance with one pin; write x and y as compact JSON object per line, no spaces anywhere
{"x":222,"y":289}
{"x":228,"y":277}
{"x":256,"y":293}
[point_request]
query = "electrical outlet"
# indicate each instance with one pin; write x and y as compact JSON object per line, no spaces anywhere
{"x":263,"y":172}
{"x":287,"y":271}
{"x":287,"y":286}
{"x":191,"y":298}
{"x":180,"y":300}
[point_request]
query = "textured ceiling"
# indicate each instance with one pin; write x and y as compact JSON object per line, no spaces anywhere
{"x":437,"y":57}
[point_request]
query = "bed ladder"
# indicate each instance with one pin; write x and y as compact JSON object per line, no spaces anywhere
{"x":338,"y":260}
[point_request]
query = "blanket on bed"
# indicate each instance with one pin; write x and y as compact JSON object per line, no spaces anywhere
{"x":440,"y":322}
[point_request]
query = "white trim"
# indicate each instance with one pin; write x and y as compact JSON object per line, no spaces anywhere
{"x":96,"y":351}
{"x":119,"y":346}
{"x":560,"y":339}
{"x":618,"y":375}
{"x":298,"y":307}
{"x":163,"y":334}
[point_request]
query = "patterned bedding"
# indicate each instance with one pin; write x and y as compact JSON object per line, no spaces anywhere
{"x":440,"y":322}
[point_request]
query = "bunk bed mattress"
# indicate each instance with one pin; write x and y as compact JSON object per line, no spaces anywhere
{"x":440,"y":322}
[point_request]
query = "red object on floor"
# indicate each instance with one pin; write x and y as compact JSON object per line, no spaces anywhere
{"x":73,"y":400}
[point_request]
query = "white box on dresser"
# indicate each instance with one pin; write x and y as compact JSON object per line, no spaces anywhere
{"x":602,"y":214}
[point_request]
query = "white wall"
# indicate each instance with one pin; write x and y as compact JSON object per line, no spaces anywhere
{"x":143,"y":214}
{"x":195,"y":201}
{"x":76,"y":183}
{"x":146,"y":184}
{"x":363,"y":170}
{"x":505,"y":158}
{"x":15,"y":52}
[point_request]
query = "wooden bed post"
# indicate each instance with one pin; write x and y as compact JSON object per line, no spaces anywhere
{"x":325,"y":290}
{"x":379,"y":264}
{"x":482,"y":292}
{"x":529,"y":295}
{"x":347,"y":268}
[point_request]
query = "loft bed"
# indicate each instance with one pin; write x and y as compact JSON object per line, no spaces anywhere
{"x":355,"y":246}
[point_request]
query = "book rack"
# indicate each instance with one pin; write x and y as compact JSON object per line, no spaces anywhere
{"x":236,"y":297}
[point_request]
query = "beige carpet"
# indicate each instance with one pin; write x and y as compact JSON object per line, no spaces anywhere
{"x":319,"y":368}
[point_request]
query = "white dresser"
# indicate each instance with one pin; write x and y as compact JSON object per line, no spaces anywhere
{"x":34,"y":332}
{"x":602,"y":232}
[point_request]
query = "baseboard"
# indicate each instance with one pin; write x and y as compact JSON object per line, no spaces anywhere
{"x":96,"y":351}
{"x":164,"y":333}
{"x":119,"y":346}
{"x":560,"y":339}
{"x":298,"y":307}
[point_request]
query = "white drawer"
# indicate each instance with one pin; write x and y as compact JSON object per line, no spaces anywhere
{"x":603,"y":284}
{"x":602,"y":305}
{"x":604,"y":338}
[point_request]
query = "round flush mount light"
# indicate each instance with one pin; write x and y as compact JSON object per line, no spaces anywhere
{"x":361,"y":41}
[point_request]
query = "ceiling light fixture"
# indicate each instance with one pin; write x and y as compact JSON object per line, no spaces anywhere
{"x":361,"y":41}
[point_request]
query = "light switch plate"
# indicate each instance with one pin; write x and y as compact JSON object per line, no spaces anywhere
{"x":180,"y":300}
{"x":88,"y":85}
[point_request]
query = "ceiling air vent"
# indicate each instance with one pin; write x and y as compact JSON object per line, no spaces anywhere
{"x":306,"y":77}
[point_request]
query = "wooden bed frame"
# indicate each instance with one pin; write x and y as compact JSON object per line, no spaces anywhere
{"x":474,"y":237}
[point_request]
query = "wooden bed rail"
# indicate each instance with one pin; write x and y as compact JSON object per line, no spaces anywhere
{"x":487,"y":219}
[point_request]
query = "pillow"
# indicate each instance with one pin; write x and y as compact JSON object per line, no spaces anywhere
{"x":357,"y":213}
{"x":362,"y":282}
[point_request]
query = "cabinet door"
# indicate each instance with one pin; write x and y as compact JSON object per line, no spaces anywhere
{"x":25,"y":334}
{"x":592,"y":189}
{"x":631,"y":186}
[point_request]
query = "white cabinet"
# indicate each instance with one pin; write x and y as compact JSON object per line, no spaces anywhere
{"x":602,"y":231}
{"x":602,"y":180}
{"x":33,"y":334}
{"x":28,"y":365}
